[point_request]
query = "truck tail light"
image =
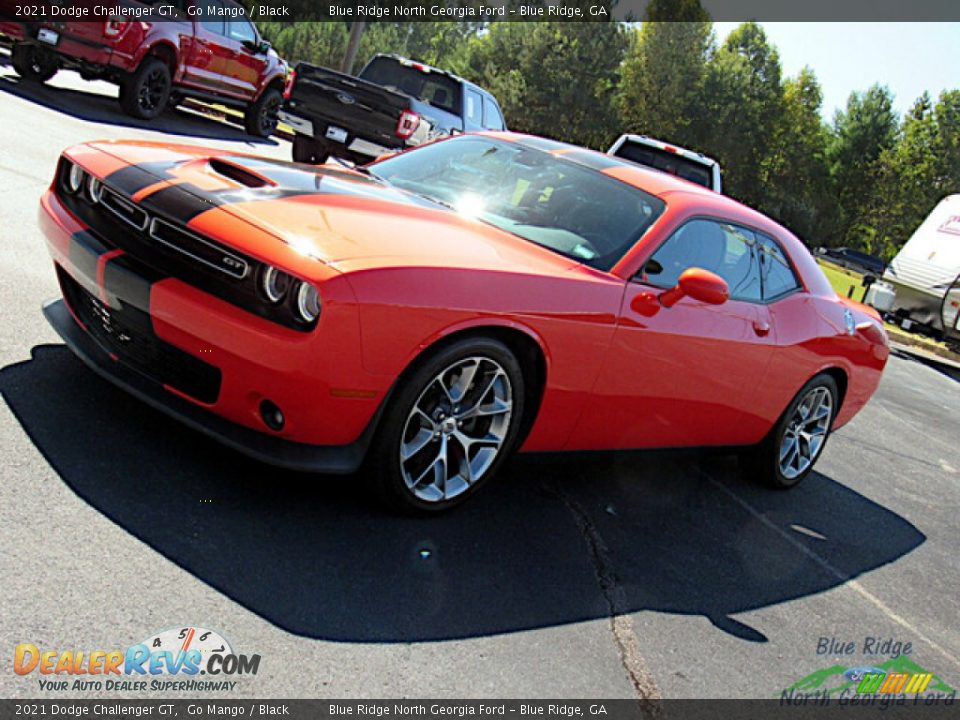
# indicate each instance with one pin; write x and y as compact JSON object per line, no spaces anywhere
{"x":114,"y":26}
{"x":407,"y":124}
{"x":288,"y":86}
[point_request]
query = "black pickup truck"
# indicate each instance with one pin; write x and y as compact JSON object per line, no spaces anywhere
{"x":394,"y":104}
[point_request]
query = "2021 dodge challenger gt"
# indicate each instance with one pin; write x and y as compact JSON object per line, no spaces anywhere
{"x":434,"y":311}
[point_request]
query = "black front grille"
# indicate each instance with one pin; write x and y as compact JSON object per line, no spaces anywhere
{"x":196,"y":247}
{"x":128,"y":334}
{"x":124,"y":209}
{"x":165,"y":245}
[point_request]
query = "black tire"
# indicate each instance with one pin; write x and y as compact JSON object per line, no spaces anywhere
{"x":763,"y":463}
{"x":145,"y":93}
{"x":34,"y":63}
{"x":262,"y":115}
{"x":310,"y":151}
{"x":384,"y":463}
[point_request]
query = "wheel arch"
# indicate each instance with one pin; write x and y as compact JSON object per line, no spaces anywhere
{"x":523,"y":342}
{"x":840,"y":377}
{"x":165,"y":52}
{"x":278,"y":82}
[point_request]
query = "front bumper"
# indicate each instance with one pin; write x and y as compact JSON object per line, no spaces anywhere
{"x":210,"y":363}
{"x":265,"y":448}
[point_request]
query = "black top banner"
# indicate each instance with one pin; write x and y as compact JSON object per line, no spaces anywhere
{"x":482,"y":11}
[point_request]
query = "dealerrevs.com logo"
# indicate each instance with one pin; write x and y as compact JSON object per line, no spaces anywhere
{"x":171,"y":660}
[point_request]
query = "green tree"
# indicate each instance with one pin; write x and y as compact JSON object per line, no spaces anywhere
{"x":553,"y":78}
{"x":662,"y":79}
{"x":741,"y":110}
{"x":801,"y":189}
{"x":910,"y":177}
{"x":861,"y":133}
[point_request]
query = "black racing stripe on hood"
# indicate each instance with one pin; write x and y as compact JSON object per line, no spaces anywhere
{"x":181,"y":202}
{"x":296,"y":176}
{"x":184,"y":201}
{"x":134,"y":178}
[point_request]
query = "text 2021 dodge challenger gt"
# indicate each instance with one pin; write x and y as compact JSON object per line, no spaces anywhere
{"x":444,"y":306}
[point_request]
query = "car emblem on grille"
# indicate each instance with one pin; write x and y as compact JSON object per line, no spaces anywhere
{"x":345,"y":98}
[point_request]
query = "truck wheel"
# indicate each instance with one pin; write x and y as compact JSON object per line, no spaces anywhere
{"x":145,"y":93}
{"x":34,"y":64}
{"x":308,"y":150}
{"x":262,"y":116}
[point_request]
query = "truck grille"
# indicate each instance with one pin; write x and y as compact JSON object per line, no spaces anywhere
{"x":128,"y":335}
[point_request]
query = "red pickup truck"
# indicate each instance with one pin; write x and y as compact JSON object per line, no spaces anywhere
{"x":157,"y":52}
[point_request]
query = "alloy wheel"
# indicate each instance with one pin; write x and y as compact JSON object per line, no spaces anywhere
{"x":152,"y":90}
{"x":269,"y":116}
{"x":456,"y":429}
{"x":806,"y":432}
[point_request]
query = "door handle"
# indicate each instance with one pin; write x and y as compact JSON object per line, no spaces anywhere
{"x":761,"y":328}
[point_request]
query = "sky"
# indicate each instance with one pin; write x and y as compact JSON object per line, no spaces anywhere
{"x":906,"y":57}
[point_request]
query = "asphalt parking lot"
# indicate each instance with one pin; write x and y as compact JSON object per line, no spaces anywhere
{"x":608,"y":576}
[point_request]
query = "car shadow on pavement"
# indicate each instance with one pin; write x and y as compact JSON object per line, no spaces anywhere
{"x":557,"y":539}
{"x":105,"y":109}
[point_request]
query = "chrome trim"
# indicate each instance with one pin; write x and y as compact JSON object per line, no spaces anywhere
{"x":241,"y":263}
{"x":111,"y":194}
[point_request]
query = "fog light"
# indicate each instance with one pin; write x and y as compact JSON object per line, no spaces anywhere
{"x":272,"y":415}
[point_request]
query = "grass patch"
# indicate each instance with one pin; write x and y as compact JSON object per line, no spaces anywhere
{"x":841,"y":278}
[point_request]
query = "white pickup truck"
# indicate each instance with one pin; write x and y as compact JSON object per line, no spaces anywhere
{"x":687,"y":164}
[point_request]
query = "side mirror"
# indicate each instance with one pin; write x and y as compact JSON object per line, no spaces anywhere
{"x":699,"y":284}
{"x":257,"y":47}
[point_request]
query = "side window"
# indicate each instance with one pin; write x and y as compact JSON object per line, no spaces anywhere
{"x":492,"y":119}
{"x":241,"y":31}
{"x":728,"y":250}
{"x":473,"y":112}
{"x":212,"y":19}
{"x":775,"y":270}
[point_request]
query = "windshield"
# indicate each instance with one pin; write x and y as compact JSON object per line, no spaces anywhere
{"x":668,"y":162}
{"x":570,"y":209}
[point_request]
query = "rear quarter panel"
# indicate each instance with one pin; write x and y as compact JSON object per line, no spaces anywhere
{"x":812,"y":338}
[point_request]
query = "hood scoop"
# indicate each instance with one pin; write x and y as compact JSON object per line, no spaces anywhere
{"x":239,"y":174}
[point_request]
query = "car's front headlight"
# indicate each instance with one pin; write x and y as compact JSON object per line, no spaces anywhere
{"x":73,"y":178}
{"x":308,"y":302}
{"x":274,"y":284}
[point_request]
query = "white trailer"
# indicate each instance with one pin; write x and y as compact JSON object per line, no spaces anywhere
{"x":926,"y":272}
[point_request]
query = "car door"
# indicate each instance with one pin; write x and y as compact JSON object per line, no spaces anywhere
{"x":211,"y":48}
{"x":686,"y":375}
{"x":245,"y":65}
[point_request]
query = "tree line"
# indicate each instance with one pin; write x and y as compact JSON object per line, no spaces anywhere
{"x":866,"y":179}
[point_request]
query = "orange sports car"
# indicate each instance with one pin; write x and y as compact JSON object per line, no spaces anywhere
{"x":437,"y":309}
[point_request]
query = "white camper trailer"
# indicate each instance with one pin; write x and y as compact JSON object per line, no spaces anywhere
{"x":926,"y":272}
